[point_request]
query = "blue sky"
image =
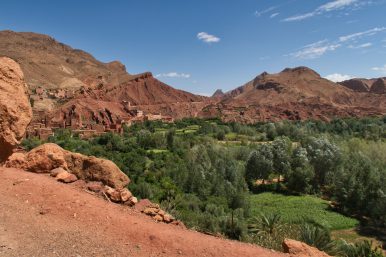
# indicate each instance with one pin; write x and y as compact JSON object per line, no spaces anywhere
{"x":202,"y":45}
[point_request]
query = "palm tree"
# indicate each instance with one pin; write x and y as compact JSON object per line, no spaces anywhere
{"x":266,"y":223}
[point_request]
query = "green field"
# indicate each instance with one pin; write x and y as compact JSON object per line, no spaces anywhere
{"x":294,"y":209}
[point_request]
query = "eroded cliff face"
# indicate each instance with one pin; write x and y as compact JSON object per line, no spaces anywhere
{"x":15,"y":109}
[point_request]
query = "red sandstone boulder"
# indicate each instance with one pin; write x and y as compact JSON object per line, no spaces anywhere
{"x":15,"y":109}
{"x":300,"y":249}
{"x":96,"y":169}
{"x":16,"y":160}
{"x":45,"y":158}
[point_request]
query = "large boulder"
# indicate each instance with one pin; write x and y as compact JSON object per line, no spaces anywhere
{"x":300,"y":249}
{"x":47,"y":157}
{"x":15,"y":109}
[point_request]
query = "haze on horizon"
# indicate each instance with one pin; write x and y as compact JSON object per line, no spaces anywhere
{"x":200,"y":46}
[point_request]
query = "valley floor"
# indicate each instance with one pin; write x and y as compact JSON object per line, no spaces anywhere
{"x":41,"y":217}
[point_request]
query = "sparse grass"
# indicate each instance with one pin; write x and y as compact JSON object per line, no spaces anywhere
{"x":295,"y":209}
{"x":352,"y":236}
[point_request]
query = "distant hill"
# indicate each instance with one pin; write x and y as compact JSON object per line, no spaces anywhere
{"x":296,"y":94}
{"x":376,"y":85}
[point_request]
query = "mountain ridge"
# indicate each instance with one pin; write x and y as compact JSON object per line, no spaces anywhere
{"x":62,"y":79}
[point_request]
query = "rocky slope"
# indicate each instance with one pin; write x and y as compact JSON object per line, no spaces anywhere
{"x":81,"y":224}
{"x":295,"y":94}
{"x":41,"y":217}
{"x":376,"y":85}
{"x":15,"y":110}
{"x":52,"y":66}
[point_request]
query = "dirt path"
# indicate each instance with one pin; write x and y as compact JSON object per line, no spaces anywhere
{"x":41,"y":217}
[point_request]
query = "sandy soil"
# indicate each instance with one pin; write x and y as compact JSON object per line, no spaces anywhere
{"x":41,"y":217}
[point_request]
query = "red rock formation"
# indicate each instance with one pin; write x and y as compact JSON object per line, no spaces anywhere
{"x":379,"y":86}
{"x":48,"y":157}
{"x":300,"y":249}
{"x":358,"y":85}
{"x":15,"y":109}
{"x":294,"y":94}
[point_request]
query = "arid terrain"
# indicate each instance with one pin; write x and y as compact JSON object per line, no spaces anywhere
{"x":41,"y":217}
{"x":66,"y":83}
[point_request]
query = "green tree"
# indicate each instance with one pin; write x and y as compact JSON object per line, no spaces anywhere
{"x":259,"y":165}
{"x":325,"y":157}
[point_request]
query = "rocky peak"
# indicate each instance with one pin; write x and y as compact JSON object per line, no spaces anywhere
{"x":301,"y":70}
{"x":218,"y":94}
{"x":379,"y":86}
{"x":359,"y":85}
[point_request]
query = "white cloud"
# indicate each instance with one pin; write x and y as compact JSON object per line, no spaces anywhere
{"x":365,"y":45}
{"x":357,"y":35}
{"x":336,"y":5}
{"x":380,"y":69}
{"x":270,"y":9}
{"x":173,"y":75}
{"x":315,"y":50}
{"x":207,"y":38}
{"x":319,"y":48}
{"x":336,"y":77}
{"x":273,"y":15}
{"x":328,"y":7}
{"x":300,"y":17}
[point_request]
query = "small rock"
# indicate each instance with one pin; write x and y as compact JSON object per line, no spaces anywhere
{"x":133,"y":200}
{"x":125,"y":195}
{"x":95,"y":186}
{"x":55,"y":172}
{"x":158,"y":218}
{"x":113,"y":194}
{"x":150,"y":211}
{"x":66,"y":177}
{"x":168,"y":218}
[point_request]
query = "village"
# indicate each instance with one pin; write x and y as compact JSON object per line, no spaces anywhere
{"x":44,"y":125}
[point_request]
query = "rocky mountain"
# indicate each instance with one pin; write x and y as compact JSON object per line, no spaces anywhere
{"x":366,"y":85}
{"x":295,"y":94}
{"x":68,"y":84}
{"x":218,"y":94}
{"x":61,"y":79}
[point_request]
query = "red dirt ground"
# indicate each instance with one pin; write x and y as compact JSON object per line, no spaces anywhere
{"x":41,"y":217}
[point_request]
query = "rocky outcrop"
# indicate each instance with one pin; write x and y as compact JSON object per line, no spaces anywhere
{"x":358,"y":85}
{"x":15,"y":109}
{"x":47,"y":157}
{"x":153,"y":210}
{"x":218,"y":94}
{"x":379,"y":86}
{"x":300,"y":249}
